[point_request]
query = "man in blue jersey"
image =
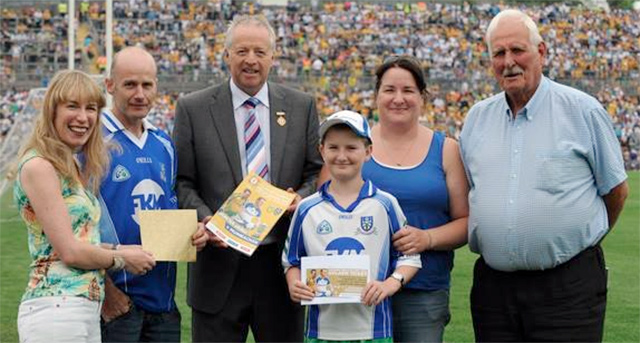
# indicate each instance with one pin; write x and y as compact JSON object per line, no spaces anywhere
{"x":141,"y":177}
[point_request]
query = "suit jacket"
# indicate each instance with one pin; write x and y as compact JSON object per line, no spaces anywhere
{"x":209,"y":169}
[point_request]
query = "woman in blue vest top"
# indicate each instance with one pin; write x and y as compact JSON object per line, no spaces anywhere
{"x":423,"y":170}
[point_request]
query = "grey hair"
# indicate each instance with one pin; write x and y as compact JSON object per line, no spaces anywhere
{"x":255,"y":20}
{"x":534,"y":34}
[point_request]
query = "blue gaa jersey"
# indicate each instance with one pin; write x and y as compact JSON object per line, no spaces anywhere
{"x":141,"y":176}
{"x":320,"y":226}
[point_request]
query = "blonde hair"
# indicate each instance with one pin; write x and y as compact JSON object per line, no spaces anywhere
{"x":70,"y":85}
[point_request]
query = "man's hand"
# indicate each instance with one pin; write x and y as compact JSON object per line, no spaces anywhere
{"x":200,"y":238}
{"x":296,"y":201}
{"x":116,"y":303}
{"x":211,"y":237}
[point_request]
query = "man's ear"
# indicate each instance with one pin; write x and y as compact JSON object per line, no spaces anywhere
{"x":542,"y":50}
{"x":225,"y":56}
{"x":109,"y":84}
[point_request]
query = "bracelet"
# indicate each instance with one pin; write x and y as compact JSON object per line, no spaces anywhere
{"x":115,"y":246}
{"x":118,"y":264}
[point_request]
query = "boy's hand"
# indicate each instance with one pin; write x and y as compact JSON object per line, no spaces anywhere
{"x":298,"y":291}
{"x":376,"y":291}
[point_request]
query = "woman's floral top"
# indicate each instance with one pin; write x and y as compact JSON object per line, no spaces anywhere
{"x":48,"y":275}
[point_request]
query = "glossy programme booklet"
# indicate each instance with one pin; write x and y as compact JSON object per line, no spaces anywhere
{"x":249,"y":214}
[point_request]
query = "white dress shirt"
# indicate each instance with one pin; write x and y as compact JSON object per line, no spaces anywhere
{"x":238,"y":97}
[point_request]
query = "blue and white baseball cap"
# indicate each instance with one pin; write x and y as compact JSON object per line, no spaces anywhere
{"x":354,"y":120}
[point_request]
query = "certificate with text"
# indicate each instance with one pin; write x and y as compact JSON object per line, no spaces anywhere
{"x":249,"y":214}
{"x":335,"y":279}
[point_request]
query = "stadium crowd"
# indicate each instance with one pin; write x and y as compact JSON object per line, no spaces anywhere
{"x":340,"y":40}
{"x":331,"y":50}
{"x":446,"y":111}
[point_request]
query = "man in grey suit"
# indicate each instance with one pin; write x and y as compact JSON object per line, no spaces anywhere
{"x":218,"y":142}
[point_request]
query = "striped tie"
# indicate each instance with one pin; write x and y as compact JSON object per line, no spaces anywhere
{"x":254,"y":141}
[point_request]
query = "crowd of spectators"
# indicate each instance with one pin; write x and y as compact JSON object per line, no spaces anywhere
{"x":11,"y":104}
{"x":331,"y":50}
{"x":625,"y":113}
{"x":342,"y":40}
{"x":337,"y":40}
{"x":445,"y":111}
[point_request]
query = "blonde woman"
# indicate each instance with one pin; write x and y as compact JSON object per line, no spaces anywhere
{"x":54,"y":194}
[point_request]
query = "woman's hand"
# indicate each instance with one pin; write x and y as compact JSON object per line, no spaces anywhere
{"x":136,"y":260}
{"x":410,"y":240}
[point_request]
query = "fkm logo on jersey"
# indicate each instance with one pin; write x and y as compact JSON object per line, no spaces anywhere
{"x":146,"y":196}
{"x":344,"y":246}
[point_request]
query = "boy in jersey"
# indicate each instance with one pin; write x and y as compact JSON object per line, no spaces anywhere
{"x":141,"y":176}
{"x":348,"y":215}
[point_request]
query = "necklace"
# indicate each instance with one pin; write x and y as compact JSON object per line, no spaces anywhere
{"x":390,"y":154}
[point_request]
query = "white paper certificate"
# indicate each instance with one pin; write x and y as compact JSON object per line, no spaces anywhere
{"x":335,"y":279}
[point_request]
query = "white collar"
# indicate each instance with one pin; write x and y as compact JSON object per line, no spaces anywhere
{"x":113,"y":124}
{"x":238,"y":96}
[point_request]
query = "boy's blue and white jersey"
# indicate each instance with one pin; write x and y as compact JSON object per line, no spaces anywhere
{"x":141,"y":176}
{"x":320,"y":226}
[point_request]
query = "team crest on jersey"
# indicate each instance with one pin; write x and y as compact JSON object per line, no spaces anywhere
{"x":324,"y":228}
{"x":366,"y":225}
{"x":163,"y":172}
{"x":120,"y":174}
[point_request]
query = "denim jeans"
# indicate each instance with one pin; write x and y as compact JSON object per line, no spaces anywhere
{"x":59,"y":319}
{"x":138,"y":325}
{"x":420,"y":316}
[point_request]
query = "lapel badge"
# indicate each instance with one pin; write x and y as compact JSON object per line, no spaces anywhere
{"x":281,"y":119}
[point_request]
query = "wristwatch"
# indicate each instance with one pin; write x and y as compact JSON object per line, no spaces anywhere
{"x":398,"y":277}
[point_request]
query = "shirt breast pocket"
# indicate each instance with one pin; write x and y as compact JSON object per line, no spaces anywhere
{"x":559,"y":171}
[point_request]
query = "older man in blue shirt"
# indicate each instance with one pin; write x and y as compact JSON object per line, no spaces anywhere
{"x":547,"y":183}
